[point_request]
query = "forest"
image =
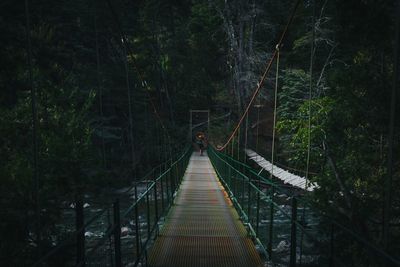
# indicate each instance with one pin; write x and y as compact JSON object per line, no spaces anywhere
{"x":95,"y":94}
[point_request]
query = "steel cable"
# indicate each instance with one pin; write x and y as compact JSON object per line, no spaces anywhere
{"x":263,"y":77}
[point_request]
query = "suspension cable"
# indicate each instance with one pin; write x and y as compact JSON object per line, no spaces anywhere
{"x":309,"y":122}
{"x":275,"y":109}
{"x":233,"y":143}
{"x":310,"y":97}
{"x":258,"y":122}
{"x":238,"y":145}
{"x":246,"y":136}
{"x":263,"y":77}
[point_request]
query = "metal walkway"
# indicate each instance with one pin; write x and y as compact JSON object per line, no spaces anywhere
{"x":202,"y":228}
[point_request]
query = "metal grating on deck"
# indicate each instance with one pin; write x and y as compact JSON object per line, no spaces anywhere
{"x":202,"y":228}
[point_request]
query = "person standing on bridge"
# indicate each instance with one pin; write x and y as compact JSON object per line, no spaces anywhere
{"x":201,"y":142}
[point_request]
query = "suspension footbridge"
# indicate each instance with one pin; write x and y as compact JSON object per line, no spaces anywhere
{"x":203,"y":228}
{"x":213,"y":209}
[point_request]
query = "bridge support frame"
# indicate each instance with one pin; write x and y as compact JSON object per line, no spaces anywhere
{"x":191,"y":127}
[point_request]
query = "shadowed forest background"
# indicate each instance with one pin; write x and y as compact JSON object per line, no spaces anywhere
{"x":114,"y":82}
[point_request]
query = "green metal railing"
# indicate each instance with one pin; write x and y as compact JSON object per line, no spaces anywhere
{"x":287,"y":227}
{"x":127,"y":233}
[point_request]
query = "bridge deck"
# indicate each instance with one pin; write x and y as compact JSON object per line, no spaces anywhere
{"x":202,"y":228}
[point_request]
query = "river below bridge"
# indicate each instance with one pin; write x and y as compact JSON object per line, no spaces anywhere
{"x":93,"y":205}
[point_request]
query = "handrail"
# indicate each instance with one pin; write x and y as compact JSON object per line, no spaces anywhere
{"x":252,"y":171}
{"x":147,"y":175}
{"x":297,"y":223}
{"x":184,"y":157}
{"x":167,"y":178}
{"x":143,"y":198}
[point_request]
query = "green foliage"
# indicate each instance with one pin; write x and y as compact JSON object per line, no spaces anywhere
{"x":294,"y":92}
{"x":294,"y":132}
{"x":349,"y":112}
{"x":183,"y":52}
{"x":65,"y":148}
